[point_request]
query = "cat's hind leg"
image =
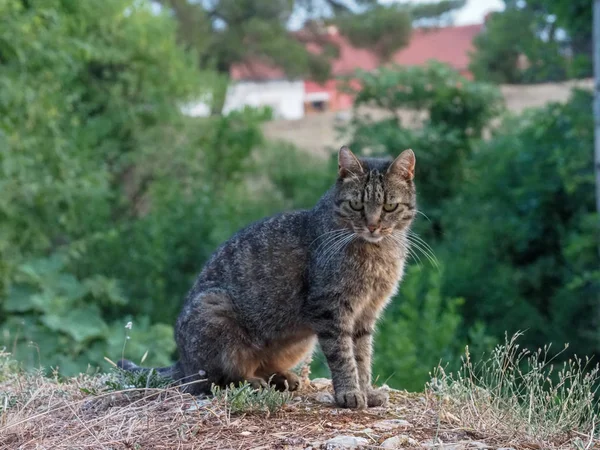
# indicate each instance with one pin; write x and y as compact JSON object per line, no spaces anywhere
{"x":211,"y":338}
{"x":281,"y":358}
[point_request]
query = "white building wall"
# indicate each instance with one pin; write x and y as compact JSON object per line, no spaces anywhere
{"x":286,"y":98}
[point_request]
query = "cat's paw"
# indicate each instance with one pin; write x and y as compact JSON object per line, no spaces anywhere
{"x":351,"y":399}
{"x":257,"y":383}
{"x":285,"y":381}
{"x":376,"y":397}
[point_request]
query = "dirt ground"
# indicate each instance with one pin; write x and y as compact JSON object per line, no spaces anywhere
{"x":317,"y":133}
{"x":43,"y":414}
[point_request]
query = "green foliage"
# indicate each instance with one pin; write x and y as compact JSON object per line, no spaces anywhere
{"x":383,"y":29}
{"x":83,"y":85}
{"x":419,"y":328}
{"x":451,"y":113}
{"x":525,"y":228}
{"x":522,"y":44}
{"x":120,"y":380}
{"x":242,"y":399}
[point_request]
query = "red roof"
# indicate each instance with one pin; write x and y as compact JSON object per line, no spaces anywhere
{"x":351,"y":58}
{"x":450,"y":45}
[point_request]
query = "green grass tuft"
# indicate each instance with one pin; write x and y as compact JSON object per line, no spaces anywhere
{"x":243,"y":399}
{"x":120,"y":380}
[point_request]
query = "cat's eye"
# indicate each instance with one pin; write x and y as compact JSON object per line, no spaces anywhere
{"x":356,"y":205}
{"x":390,"y":207}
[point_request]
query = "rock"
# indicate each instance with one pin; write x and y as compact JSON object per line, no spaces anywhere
{"x":198,"y":404}
{"x":324,"y":397}
{"x":345,"y":442}
{"x":321,"y":383}
{"x":399,"y":442}
{"x":391,"y":424}
{"x":386,"y":388}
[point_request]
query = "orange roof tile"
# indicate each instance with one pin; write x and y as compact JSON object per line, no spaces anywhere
{"x":450,"y":45}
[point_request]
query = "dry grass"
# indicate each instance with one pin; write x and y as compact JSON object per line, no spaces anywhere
{"x":38,"y":412}
{"x":520,"y":396}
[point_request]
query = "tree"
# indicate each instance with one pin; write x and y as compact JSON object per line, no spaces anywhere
{"x":530,"y":41}
{"x":225,"y":32}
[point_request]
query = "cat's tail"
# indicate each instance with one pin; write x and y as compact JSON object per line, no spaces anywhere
{"x":173,"y":372}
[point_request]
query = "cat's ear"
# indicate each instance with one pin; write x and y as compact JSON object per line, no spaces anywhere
{"x":348,"y":164}
{"x":404,"y":165}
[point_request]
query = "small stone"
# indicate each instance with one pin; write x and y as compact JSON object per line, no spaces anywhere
{"x":464,"y":445}
{"x":386,"y":388}
{"x":321,"y":383}
{"x":345,"y":442}
{"x":198,"y":404}
{"x":391,"y":424}
{"x":324,"y":397}
{"x":397,"y":442}
{"x":245,"y":433}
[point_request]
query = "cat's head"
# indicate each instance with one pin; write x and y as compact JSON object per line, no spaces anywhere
{"x":375,"y":197}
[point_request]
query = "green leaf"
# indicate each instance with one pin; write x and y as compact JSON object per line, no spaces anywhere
{"x":82,"y":324}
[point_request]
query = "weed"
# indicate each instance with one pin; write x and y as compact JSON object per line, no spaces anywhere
{"x":515,"y":392}
{"x":119,"y":380}
{"x":243,"y":399}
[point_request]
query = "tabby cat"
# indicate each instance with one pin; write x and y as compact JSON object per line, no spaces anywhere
{"x":276,"y":287}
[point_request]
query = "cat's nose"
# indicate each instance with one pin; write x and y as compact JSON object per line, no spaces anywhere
{"x":372,"y":228}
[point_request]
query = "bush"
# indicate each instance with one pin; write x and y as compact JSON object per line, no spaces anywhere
{"x":82,"y":86}
{"x":418,"y":329}
{"x":521,"y":234}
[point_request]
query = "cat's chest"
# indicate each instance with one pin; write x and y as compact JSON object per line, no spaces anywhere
{"x":372,"y":277}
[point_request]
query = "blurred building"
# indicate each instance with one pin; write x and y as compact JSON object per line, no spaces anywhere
{"x":257,"y":84}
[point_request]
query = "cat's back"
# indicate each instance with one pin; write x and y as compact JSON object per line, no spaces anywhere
{"x":266,"y":259}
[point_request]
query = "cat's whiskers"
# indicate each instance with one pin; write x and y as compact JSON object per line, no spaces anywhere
{"x":339,"y":230}
{"x":421,"y":240}
{"x":423,"y":214}
{"x":403,"y":245}
{"x":330,"y":237}
{"x":419,"y":244}
{"x":336,"y":248}
{"x":330,"y":242}
{"x":342,"y":247}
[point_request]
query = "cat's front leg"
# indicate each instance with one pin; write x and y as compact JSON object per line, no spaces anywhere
{"x":338,"y":347}
{"x":363,"y":351}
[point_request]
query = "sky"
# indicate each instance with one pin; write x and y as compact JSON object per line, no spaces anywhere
{"x":473,"y":12}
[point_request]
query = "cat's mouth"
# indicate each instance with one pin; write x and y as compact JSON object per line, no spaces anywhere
{"x":374,"y":239}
